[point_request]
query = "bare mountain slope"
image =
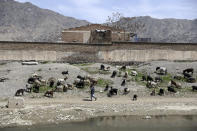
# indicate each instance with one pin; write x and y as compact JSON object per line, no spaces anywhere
{"x":27,"y":22}
{"x":162,"y":30}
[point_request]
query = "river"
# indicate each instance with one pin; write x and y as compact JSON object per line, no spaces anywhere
{"x":123,"y":123}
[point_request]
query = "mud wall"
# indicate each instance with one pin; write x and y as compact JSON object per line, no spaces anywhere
{"x":116,"y":52}
{"x":147,"y":55}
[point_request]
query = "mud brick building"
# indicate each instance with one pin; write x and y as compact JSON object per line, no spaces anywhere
{"x":94,"y":34}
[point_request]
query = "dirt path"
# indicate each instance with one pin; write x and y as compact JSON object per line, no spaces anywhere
{"x":58,"y":110}
{"x":121,"y":100}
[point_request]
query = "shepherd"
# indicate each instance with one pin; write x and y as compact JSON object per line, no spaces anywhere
{"x":92,"y":90}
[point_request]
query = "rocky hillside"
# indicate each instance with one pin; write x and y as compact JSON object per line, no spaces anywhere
{"x":27,"y":22}
{"x":162,"y":30}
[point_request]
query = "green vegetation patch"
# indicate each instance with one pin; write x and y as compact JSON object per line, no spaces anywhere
{"x":92,"y":70}
{"x":43,"y":89}
{"x":184,"y":60}
{"x":138,"y":78}
{"x":45,"y":62}
{"x":39,"y":70}
{"x":103,"y":82}
{"x":185,"y":89}
{"x":1,"y":64}
{"x":166,"y":79}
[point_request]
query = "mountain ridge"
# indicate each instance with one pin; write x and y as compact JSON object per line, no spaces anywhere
{"x":161,"y":30}
{"x":27,"y":22}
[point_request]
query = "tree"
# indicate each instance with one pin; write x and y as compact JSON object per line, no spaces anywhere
{"x":129,"y":24}
{"x":114,"y":20}
{"x":132,"y":24}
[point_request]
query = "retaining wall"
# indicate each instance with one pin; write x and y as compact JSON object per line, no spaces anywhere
{"x":116,"y":52}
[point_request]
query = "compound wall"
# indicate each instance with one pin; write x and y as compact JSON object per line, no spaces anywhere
{"x":116,"y":52}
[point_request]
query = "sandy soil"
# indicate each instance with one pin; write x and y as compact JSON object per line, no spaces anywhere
{"x":58,"y":110}
{"x":74,"y":105}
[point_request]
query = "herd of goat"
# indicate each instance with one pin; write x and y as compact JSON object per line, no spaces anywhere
{"x":35,"y":82}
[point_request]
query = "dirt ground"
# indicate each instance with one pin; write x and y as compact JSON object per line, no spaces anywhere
{"x":74,"y":105}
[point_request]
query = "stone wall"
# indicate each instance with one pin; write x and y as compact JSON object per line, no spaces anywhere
{"x":116,"y":52}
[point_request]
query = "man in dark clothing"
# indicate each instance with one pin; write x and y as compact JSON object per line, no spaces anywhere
{"x":92,"y":90}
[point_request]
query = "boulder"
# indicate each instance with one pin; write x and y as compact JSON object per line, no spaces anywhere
{"x":16,"y":102}
{"x":29,"y":63}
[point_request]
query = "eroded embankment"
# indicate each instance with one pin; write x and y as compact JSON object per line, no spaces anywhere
{"x":45,"y":111}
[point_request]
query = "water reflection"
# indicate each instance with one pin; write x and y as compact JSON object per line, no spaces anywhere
{"x":124,"y":123}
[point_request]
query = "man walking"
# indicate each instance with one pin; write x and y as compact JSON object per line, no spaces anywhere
{"x":92,"y":90}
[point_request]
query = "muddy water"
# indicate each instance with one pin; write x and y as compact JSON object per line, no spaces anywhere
{"x":129,"y":123}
